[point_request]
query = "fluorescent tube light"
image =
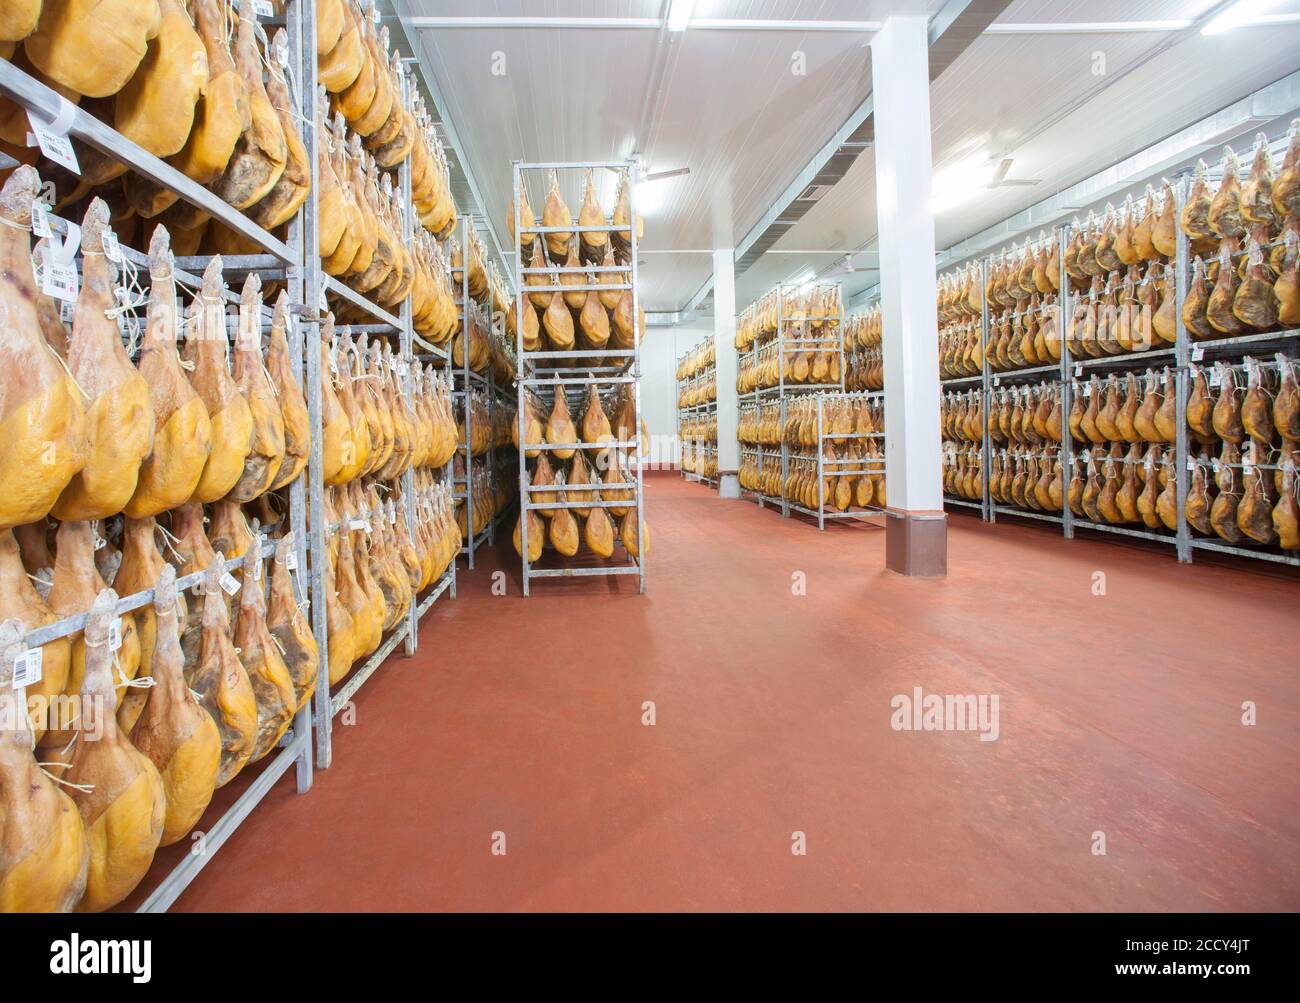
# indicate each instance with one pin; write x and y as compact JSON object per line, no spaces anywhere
{"x":679,"y":14}
{"x":1237,"y":15}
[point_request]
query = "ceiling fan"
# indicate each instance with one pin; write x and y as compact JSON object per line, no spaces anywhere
{"x":1000,"y":179}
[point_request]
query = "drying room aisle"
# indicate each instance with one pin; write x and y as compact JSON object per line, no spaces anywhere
{"x":772,"y":717}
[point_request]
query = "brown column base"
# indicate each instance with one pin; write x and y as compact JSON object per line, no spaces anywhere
{"x":916,"y":543}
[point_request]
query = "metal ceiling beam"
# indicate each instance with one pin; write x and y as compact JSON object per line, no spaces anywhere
{"x":777,"y":24}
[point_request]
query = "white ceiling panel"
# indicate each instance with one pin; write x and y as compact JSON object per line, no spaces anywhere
{"x":1061,"y":123}
{"x":727,"y":105}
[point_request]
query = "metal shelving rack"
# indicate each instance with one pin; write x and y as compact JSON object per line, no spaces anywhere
{"x":544,"y":373}
{"x":317,"y":286}
{"x":279,"y":260}
{"x":700,"y":448}
{"x":1184,"y":353}
{"x":294,"y":262}
{"x":783,"y":391}
{"x":865,"y":466}
{"x":467,"y":381}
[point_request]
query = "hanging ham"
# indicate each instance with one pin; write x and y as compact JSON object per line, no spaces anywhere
{"x":267,"y":450}
{"x":228,"y":410}
{"x":45,"y":855}
{"x":42,"y":420}
{"x":177,"y":735}
{"x":182,"y":436}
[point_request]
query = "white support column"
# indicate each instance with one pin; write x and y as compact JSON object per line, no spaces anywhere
{"x":916,"y":537}
{"x":724,"y":343}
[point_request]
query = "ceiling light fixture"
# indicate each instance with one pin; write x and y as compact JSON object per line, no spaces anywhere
{"x":662,"y":175}
{"x":1237,"y":15}
{"x":679,"y":14}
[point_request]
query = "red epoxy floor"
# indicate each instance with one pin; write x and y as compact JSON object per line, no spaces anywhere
{"x":1118,"y":714}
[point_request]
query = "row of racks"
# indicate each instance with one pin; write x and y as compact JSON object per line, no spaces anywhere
{"x":697,"y":413}
{"x":821,"y":455}
{"x":1149,"y":399}
{"x":563,"y":382}
{"x":290,"y":259}
{"x":482,"y":364}
{"x":796,"y":453}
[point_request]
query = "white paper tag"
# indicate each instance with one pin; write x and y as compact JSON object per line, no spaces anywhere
{"x":27,"y":668}
{"x":1215,"y":465}
{"x":229,"y":584}
{"x":355,"y":524}
{"x":58,"y":280}
{"x":997,"y":381}
{"x":1191,"y":464}
{"x":1216,"y":379}
{"x":1087,"y":390}
{"x":112,"y":249}
{"x":1247,"y":468}
{"x":257,"y":569}
{"x":1198,"y":353}
{"x":67,"y":311}
{"x":403,"y":368}
{"x":115,"y":634}
{"x":55,"y":147}
{"x":263,"y":8}
{"x":392,"y":514}
{"x":41,"y":219}
{"x":291,"y":560}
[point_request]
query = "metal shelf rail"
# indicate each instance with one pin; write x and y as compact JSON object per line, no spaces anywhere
{"x":544,"y":373}
{"x":1180,"y":358}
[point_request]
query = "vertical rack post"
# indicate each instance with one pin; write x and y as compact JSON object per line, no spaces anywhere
{"x":986,"y":392}
{"x":634,"y":168}
{"x":1182,"y":383}
{"x":301,"y":33}
{"x":1067,"y":385}
{"x":411,"y":642}
{"x":313,"y":304}
{"x":821,"y":492}
{"x":521,"y":383}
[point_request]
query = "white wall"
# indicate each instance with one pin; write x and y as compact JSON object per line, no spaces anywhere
{"x":659,"y":354}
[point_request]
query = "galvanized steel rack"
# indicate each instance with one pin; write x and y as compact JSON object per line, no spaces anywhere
{"x":294,"y":261}
{"x":698,"y":448}
{"x":318,"y":286}
{"x":544,"y":373}
{"x":280,"y":260}
{"x":784,"y":390}
{"x":467,"y":382}
{"x":1181,"y":359}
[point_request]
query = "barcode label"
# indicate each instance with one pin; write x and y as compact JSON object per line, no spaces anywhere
{"x":115,"y":634}
{"x":67,"y":311}
{"x":55,"y":147}
{"x":59,"y":281}
{"x":229,"y":584}
{"x":291,"y":560}
{"x":41,"y":219}
{"x":27,"y":668}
